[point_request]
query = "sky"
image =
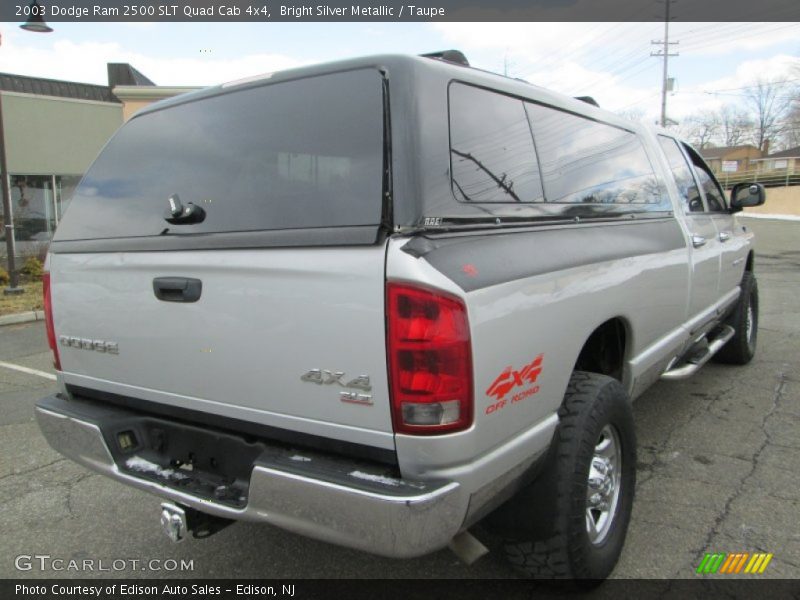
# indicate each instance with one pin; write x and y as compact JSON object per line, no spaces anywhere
{"x":609,"y":61}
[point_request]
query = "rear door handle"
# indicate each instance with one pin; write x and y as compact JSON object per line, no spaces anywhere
{"x":724,"y":236}
{"x":177,"y":289}
{"x":698,"y":240}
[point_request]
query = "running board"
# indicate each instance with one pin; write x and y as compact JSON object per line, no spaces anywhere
{"x":697,"y":360}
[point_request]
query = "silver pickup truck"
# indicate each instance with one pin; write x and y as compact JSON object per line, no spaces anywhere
{"x":379,"y":301}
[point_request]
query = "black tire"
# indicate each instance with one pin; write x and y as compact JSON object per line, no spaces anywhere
{"x":552,"y":511}
{"x":741,"y":348}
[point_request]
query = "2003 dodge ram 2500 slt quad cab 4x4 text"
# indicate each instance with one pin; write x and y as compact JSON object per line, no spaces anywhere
{"x":380,"y":300}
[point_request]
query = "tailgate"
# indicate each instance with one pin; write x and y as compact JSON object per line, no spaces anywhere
{"x":270,"y":194}
{"x":266,"y":341}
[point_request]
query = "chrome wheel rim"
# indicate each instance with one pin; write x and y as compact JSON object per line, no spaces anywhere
{"x":749,"y":325}
{"x":603,"y":486}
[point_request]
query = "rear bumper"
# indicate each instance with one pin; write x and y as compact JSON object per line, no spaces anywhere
{"x":330,"y":499}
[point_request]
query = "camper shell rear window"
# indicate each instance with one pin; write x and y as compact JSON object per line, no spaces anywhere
{"x":299,"y":154}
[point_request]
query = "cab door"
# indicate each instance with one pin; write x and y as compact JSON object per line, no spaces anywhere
{"x":732,"y":239}
{"x":700,"y":229}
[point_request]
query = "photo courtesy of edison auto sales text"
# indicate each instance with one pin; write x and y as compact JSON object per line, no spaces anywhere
{"x":167,"y":589}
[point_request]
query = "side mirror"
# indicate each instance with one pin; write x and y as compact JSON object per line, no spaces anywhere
{"x":747,"y":194}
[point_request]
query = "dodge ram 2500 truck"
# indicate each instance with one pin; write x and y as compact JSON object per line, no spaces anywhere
{"x":380,"y":300}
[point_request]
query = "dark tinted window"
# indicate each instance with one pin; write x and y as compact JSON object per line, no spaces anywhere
{"x":682,"y":173}
{"x":714,"y":197}
{"x":300,"y":154}
{"x":491,"y":149}
{"x":583,"y":161}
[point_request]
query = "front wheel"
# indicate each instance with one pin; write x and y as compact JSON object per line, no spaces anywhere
{"x":577,"y":511}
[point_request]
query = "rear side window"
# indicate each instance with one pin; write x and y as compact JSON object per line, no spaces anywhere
{"x":587,"y":162}
{"x":687,"y":187}
{"x":299,"y":154}
{"x":492,"y":156}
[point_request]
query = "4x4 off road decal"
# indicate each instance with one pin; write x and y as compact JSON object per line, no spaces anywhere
{"x":509,"y":380}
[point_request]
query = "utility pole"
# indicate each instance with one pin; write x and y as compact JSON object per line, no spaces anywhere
{"x":665,"y":83}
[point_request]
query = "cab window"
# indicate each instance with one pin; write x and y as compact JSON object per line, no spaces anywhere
{"x":715,"y":199}
{"x":682,"y":174}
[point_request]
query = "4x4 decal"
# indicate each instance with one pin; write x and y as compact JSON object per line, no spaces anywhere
{"x":510,"y":379}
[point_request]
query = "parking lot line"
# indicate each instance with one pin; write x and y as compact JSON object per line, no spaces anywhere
{"x":22,"y":369}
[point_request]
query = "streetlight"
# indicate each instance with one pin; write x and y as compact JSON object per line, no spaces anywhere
{"x":35,"y":20}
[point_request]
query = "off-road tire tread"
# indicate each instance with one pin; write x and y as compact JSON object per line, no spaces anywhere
{"x":550,"y":558}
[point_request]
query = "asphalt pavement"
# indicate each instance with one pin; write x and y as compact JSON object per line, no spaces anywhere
{"x":718,"y":472}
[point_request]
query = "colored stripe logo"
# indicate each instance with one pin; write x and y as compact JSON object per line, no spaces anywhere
{"x":734,"y":563}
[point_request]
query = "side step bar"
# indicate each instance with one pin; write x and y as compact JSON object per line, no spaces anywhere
{"x":697,"y":357}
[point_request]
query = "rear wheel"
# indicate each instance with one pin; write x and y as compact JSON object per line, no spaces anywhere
{"x":741,"y":348}
{"x":574,"y":517}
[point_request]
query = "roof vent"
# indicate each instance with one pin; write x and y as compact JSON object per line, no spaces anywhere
{"x":588,"y":100}
{"x":453,"y":56}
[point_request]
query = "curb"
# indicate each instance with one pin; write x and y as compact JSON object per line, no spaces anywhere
{"x":775,"y":217}
{"x":25,"y":317}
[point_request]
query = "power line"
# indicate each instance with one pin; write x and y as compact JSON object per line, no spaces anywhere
{"x":745,"y":87}
{"x":716,"y":32}
{"x":609,"y":78}
{"x":776,"y":97}
{"x":576,"y":48}
{"x":618,"y":56}
{"x":648,"y":97}
{"x":726,"y":38}
{"x":587,"y":43}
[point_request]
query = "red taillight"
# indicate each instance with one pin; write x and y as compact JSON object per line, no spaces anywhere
{"x":430,"y":361}
{"x":48,"y":321}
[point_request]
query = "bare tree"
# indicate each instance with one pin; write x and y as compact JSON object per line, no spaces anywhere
{"x":770,"y":101}
{"x":770,"y":111}
{"x":701,"y":128}
{"x":735,"y":125}
{"x":791,"y":134}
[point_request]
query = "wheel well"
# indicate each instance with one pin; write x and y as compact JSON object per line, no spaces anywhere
{"x":750,"y":262}
{"x":604,"y":351}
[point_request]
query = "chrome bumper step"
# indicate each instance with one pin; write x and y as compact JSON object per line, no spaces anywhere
{"x":698,"y":355}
